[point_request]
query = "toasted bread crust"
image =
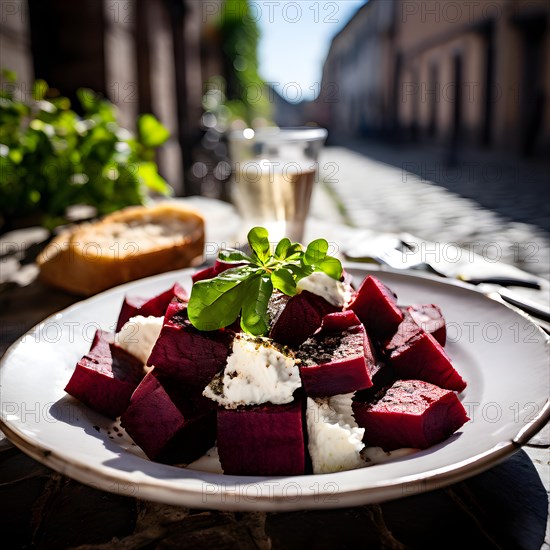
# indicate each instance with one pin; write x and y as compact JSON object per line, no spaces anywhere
{"x":130,"y":244}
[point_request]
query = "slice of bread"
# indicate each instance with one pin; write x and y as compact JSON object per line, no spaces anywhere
{"x":130,"y":244}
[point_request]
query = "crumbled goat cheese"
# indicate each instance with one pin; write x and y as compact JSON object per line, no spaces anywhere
{"x":138,"y":336}
{"x":256,"y":372}
{"x":334,"y":292}
{"x":334,"y":439}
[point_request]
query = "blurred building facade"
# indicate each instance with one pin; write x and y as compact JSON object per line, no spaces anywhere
{"x":443,"y":71}
{"x":146,"y":56}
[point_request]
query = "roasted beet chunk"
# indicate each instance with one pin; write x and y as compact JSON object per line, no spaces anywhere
{"x":337,"y":361}
{"x":300,"y":317}
{"x":407,"y":330}
{"x":376,"y":306}
{"x":203,"y":274}
{"x":106,"y":376}
{"x":187,"y":354}
{"x":155,"y":306}
{"x":339,"y":321}
{"x":422,"y":357}
{"x":411,"y":413}
{"x":265,"y":440}
{"x":382,"y":376}
{"x":210,"y":272}
{"x":430,"y":318}
{"x":172,"y":423}
{"x":275,"y":306}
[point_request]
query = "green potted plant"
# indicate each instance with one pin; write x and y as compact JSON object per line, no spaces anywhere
{"x":51,"y":158}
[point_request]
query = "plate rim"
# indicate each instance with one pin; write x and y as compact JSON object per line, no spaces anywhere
{"x":97,"y":476}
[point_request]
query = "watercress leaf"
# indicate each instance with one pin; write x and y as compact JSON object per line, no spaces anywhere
{"x":254,"y":317}
{"x":283,"y":280}
{"x":316,"y":252}
{"x":282,"y":248}
{"x":216,"y":303}
{"x":233,"y":255}
{"x":331,"y":266}
{"x":294,"y":252}
{"x":299,"y":270}
{"x":258,"y":239}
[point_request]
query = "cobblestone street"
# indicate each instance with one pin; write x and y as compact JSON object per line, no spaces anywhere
{"x":375,"y":194}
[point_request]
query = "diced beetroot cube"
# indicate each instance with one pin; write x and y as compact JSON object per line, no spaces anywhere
{"x":275,"y":306}
{"x":430,"y":318}
{"x":376,"y":306}
{"x":106,"y":376}
{"x":418,"y":319}
{"x":411,"y":413}
{"x":382,"y":376}
{"x":210,"y":272}
{"x":334,"y":363}
{"x":130,"y":308}
{"x":172,"y":423}
{"x":406,"y":331}
{"x":266,"y":440}
{"x":423,"y":358}
{"x":300,"y":318}
{"x":203,"y":274}
{"x":155,"y":306}
{"x":339,"y":321}
{"x":187,"y":354}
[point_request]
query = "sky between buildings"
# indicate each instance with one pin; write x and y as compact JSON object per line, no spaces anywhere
{"x":295,"y":38}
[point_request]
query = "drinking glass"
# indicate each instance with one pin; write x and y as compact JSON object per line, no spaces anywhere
{"x":274,"y":170}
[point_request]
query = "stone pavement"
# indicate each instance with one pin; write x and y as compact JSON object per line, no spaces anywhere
{"x":514,"y":187}
{"x":374,"y":194}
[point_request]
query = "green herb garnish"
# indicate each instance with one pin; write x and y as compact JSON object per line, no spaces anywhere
{"x":245,"y":290}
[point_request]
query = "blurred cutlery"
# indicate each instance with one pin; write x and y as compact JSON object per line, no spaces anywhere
{"x":490,"y":285}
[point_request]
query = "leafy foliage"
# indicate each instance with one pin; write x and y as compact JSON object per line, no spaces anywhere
{"x":247,"y":96}
{"x":51,"y":158}
{"x":246,"y":289}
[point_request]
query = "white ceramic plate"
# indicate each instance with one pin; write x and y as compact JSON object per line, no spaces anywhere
{"x":502,"y":356}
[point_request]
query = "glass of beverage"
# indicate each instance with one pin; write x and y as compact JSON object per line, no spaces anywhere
{"x":274,"y":170}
